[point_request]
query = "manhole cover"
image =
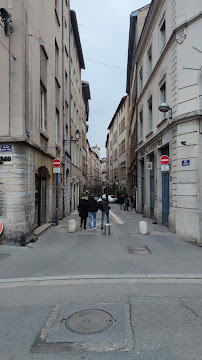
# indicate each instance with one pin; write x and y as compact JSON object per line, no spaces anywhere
{"x":88,"y":322}
{"x":138,"y":250}
{"x":3,"y":256}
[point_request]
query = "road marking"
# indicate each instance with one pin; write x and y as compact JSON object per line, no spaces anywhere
{"x":115,"y":218}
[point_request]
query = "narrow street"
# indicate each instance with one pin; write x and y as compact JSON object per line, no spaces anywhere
{"x":84,"y":296}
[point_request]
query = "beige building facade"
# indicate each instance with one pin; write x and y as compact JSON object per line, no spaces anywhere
{"x":167,"y":69}
{"x":118,"y":149}
{"x":35,"y":122}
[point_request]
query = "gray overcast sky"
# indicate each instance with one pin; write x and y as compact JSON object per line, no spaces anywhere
{"x":104,"y":31}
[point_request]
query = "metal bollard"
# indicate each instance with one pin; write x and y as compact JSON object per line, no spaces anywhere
{"x":107,"y":229}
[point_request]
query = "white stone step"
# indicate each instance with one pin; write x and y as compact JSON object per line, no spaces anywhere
{"x":41,"y":229}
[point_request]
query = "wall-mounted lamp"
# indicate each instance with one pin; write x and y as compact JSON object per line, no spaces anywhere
{"x":6,"y":19}
{"x":77,"y":137}
{"x":165,"y":108}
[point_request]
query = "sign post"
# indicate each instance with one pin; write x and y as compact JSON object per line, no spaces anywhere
{"x":165,"y":160}
{"x":56,"y":165}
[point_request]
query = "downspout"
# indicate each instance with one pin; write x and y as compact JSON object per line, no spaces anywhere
{"x":63,"y":107}
{"x":136,"y":108}
{"x":70,"y":110}
{"x":9,"y":87}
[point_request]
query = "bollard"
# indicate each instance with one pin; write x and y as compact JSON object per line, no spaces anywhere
{"x":142,"y":227}
{"x":72,"y":226}
{"x":107,"y":229}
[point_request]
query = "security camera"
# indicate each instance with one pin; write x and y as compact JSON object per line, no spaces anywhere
{"x":183,"y":142}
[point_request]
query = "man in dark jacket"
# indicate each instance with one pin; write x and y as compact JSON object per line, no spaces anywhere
{"x":92,"y":210}
{"x":83,"y":209}
{"x":104,"y":207}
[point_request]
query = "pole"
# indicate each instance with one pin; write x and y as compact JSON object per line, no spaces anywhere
{"x":56,"y":216}
{"x":70,"y":108}
{"x":63,"y":106}
{"x":9,"y":86}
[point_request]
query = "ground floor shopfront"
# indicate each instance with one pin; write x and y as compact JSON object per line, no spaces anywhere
{"x":173,"y":196}
{"x":28,"y":191}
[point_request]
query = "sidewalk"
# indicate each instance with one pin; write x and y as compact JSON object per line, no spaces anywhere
{"x":91,"y":253}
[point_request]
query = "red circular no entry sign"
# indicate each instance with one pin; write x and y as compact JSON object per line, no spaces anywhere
{"x":164,"y":159}
{"x":56,"y":163}
{"x":1,"y":227}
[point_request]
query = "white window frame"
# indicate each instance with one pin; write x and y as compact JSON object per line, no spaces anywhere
{"x":150,"y":120}
{"x":141,"y":124}
{"x":56,"y":58}
{"x":57,"y":127}
{"x":162,"y":33}
{"x":42,"y":109}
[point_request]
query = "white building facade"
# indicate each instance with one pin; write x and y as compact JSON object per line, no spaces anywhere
{"x":168,"y":69}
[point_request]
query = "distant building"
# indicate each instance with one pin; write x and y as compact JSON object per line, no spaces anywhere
{"x":118,"y":148}
{"x":104,"y":174}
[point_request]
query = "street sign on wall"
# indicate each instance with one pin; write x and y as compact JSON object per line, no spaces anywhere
{"x":56,"y":163}
{"x":185,"y":162}
{"x":6,"y":148}
{"x":149,"y":166}
{"x":164,"y":159}
{"x":164,"y":167}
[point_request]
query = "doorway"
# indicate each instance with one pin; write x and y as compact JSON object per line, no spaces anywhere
{"x":142,"y":186}
{"x":165,"y":192}
{"x":152,"y":195}
{"x":40,"y":197}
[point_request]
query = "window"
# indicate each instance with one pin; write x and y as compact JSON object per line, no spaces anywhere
{"x":141,"y":125}
{"x":140,"y":80}
{"x":149,"y":53}
{"x":65,"y":33}
{"x":122,"y":147}
{"x":150,"y":114}
{"x":122,"y":126}
{"x":162,"y":98}
{"x":110,"y":145}
{"x":116,"y":174}
{"x":115,"y":137}
{"x":57,"y":127}
{"x":42,"y":108}
{"x":115,"y":155}
{"x":110,"y":160}
{"x":56,"y":58}
{"x":162,"y":34}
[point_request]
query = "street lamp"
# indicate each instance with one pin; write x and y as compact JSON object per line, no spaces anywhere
{"x":6,"y":19}
{"x":165,"y":108}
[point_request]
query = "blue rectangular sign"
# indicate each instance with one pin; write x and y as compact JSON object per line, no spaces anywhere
{"x":6,"y":148}
{"x":185,"y":162}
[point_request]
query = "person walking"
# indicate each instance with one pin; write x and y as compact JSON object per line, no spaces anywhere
{"x":83,"y":209}
{"x":104,"y":207}
{"x":92,"y":210}
{"x":132,"y":202}
{"x":126,"y":202}
{"x":121,"y":201}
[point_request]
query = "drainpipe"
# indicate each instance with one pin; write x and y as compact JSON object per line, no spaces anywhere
{"x":63,"y":107}
{"x":136,"y":108}
{"x":70,"y":109}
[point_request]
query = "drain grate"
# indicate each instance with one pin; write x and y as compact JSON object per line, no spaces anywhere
{"x":4,"y":256}
{"x":90,"y":321}
{"x":138,"y":249}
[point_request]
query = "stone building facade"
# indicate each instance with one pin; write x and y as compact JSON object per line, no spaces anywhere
{"x":35,"y":126}
{"x":166,"y":68}
{"x":118,"y":148}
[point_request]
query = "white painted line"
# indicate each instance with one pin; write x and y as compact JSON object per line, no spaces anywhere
{"x":115,"y":218}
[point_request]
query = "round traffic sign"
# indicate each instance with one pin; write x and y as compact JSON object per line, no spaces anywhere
{"x":1,"y":227}
{"x":56,"y":163}
{"x":164,"y":159}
